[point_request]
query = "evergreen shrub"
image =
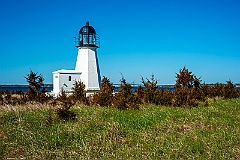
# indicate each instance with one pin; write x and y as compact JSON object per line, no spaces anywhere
{"x":104,"y":97}
{"x":125,"y":98}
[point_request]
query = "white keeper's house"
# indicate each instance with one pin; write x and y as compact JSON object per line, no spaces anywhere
{"x":86,"y":69}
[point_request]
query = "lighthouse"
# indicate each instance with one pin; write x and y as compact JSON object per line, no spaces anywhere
{"x":87,"y":42}
{"x":87,"y":67}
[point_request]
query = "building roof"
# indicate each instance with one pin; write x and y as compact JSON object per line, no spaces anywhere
{"x":64,"y":71}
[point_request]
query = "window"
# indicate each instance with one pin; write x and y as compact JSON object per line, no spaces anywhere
{"x":85,"y":39}
{"x":69,"y":78}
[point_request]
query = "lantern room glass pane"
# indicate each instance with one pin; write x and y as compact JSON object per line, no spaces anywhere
{"x":85,"y":39}
{"x":91,"y":39}
{"x":85,"y":30}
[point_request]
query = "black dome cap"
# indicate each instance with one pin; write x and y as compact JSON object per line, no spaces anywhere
{"x":87,"y":29}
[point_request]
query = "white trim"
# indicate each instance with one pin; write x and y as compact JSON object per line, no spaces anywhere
{"x":64,"y":71}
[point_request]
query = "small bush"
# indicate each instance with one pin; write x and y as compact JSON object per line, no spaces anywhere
{"x":151,"y":91}
{"x":188,"y":89}
{"x":206,"y":89}
{"x":165,"y":97}
{"x":125,"y":98}
{"x":79,"y":93}
{"x":66,"y":102}
{"x":230,"y":91}
{"x":184,"y":79}
{"x":65,"y":113}
{"x":62,"y":97}
{"x":140,"y":94}
{"x":104,"y":97}
{"x":180,"y":97}
{"x":217,"y":90}
{"x":35,"y":84}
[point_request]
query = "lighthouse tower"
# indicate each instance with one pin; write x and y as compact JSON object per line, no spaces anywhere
{"x":87,"y":42}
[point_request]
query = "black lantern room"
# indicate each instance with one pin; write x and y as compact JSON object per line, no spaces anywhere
{"x":87,"y":37}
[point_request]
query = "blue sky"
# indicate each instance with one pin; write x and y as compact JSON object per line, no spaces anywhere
{"x":138,"y":38}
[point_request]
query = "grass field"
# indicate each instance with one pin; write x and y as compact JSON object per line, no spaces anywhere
{"x":152,"y":132}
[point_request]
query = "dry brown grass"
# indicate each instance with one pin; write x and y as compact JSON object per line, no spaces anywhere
{"x":27,"y":106}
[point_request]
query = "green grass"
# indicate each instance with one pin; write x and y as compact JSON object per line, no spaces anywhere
{"x":153,"y":132}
